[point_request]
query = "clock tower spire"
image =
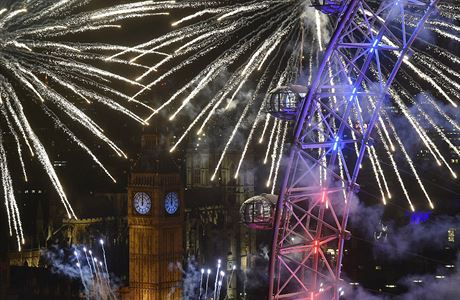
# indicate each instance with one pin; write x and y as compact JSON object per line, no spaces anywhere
{"x":156,"y":223}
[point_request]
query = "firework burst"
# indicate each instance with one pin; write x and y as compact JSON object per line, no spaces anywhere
{"x":260,"y":45}
{"x":40,"y":65}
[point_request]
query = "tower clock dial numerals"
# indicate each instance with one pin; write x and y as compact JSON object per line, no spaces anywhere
{"x":142,"y":203}
{"x":171,"y":203}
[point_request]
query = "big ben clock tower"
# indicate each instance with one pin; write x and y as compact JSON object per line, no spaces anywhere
{"x":156,"y":222}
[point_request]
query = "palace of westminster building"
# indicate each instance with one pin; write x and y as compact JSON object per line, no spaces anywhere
{"x":170,"y":220}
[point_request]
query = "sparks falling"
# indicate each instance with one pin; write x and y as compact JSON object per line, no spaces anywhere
{"x":94,"y":274}
{"x":254,"y":47}
{"x":40,"y":75}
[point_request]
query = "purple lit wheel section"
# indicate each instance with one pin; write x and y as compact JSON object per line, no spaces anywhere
{"x":328,"y":7}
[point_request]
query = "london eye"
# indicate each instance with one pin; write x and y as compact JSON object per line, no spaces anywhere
{"x":333,"y":130}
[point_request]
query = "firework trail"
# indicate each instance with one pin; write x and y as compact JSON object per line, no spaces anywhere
{"x":219,"y":287}
{"x":216,"y":281}
{"x":101,"y":241}
{"x":78,"y":264}
{"x":274,"y":152}
{"x":208,"y":272}
{"x":229,"y":281}
{"x":201,"y":284}
{"x":90,"y":272}
{"x":241,"y":42}
{"x":280,"y":156}
{"x":41,"y":64}
{"x":87,"y":261}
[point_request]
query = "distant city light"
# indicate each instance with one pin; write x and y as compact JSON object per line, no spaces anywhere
{"x":354,"y":283}
{"x":451,"y":235}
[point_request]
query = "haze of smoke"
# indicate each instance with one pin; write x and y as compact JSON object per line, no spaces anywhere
{"x":400,"y":239}
{"x":256,"y":278}
{"x":429,"y":289}
{"x":191,"y":280}
{"x":65,"y":264}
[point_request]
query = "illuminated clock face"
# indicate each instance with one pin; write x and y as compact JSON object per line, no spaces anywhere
{"x":142,"y":203}
{"x":171,"y":203}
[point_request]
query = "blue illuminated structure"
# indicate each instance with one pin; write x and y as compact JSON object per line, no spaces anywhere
{"x":359,"y":65}
{"x":329,"y":7}
{"x":418,"y":217}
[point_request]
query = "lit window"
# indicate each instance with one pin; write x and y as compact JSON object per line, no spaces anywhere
{"x":451,"y":235}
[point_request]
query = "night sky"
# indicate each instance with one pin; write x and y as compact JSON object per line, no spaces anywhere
{"x":81,"y":178}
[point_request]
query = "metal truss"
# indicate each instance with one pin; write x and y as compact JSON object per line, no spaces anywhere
{"x":333,"y":130}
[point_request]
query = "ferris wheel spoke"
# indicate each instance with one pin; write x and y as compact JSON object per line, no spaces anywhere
{"x":320,"y":183}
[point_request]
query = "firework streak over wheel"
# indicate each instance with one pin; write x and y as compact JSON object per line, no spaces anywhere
{"x":39,"y":65}
{"x":260,"y":45}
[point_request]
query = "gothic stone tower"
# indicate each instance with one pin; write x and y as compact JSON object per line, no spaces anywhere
{"x":213,"y":227}
{"x":156,"y":222}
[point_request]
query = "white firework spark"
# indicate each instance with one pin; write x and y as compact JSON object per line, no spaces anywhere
{"x":37,"y":69}
{"x":282,"y":40}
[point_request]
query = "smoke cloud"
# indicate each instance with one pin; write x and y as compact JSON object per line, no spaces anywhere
{"x":77,"y":264}
{"x":425,"y":287}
